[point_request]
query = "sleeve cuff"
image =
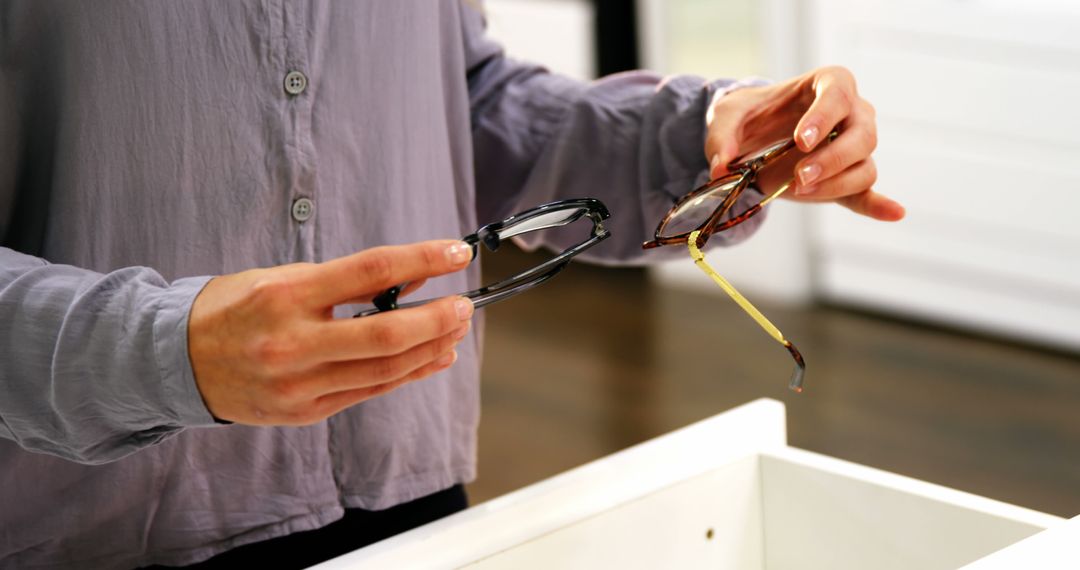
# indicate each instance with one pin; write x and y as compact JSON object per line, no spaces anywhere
{"x":185,"y":403}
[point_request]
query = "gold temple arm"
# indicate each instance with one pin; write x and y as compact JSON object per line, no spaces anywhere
{"x":699,"y":260}
{"x":778,"y":192}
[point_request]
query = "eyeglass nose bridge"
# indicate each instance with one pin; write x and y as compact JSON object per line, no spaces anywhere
{"x":754,"y":166}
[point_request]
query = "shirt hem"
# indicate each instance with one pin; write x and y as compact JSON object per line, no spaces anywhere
{"x":293,"y":525}
{"x":377,"y":499}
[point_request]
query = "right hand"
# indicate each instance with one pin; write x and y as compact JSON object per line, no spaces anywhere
{"x":266,"y":349}
{"x":807,"y":107}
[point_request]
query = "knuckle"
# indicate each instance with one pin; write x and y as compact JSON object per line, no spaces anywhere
{"x":446,"y":316}
{"x":432,"y":258}
{"x":285,"y":411}
{"x":387,"y":338}
{"x":431,"y":354}
{"x":273,"y":352}
{"x":443,"y":345}
{"x":387,"y":368}
{"x":832,"y":162}
{"x":287,"y":393}
{"x":848,"y":99}
{"x":385,"y":388}
{"x":377,"y":267}
{"x":869,"y":107}
{"x":871,"y":173}
{"x":869,"y":140}
{"x":842,"y":73}
{"x":326,"y":408}
{"x":271,"y":293}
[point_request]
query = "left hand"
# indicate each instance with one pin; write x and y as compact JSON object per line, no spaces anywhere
{"x":807,"y":107}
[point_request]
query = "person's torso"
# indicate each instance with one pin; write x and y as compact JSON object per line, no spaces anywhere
{"x":165,"y":135}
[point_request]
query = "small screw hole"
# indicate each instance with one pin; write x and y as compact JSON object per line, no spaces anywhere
{"x":709,"y":534}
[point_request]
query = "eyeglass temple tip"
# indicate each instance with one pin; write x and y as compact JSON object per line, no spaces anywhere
{"x":796,"y":382}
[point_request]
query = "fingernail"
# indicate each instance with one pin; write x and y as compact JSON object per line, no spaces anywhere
{"x":808,"y":174}
{"x":459,"y":253}
{"x":809,"y":136}
{"x":464,"y":308}
{"x":446,"y":359}
{"x":461,"y":332}
{"x":805,"y":190}
{"x":714,"y":164}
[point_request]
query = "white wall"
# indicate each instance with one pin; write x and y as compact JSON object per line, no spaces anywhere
{"x":749,"y":38}
{"x":555,"y":33}
{"x":979,"y":137}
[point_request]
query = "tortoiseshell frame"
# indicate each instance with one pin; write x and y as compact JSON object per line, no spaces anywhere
{"x":743,"y":172}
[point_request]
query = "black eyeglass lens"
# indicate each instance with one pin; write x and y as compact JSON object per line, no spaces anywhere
{"x":543,"y":221}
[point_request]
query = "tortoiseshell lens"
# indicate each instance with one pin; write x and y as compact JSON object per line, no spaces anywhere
{"x":695,"y":209}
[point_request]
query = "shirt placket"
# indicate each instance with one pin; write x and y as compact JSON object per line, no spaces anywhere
{"x":297,"y":87}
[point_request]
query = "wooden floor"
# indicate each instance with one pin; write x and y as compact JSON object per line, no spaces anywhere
{"x":597,"y":360}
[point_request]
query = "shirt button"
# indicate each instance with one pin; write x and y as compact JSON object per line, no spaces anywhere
{"x":303,"y":209}
{"x":295,"y":83}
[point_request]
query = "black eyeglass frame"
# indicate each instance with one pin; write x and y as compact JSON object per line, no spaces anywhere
{"x":489,"y":236}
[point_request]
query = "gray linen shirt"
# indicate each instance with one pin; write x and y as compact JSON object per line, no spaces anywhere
{"x":146,"y":146}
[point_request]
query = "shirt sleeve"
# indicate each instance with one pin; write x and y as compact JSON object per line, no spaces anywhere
{"x":633,"y":140}
{"x":94,"y":367}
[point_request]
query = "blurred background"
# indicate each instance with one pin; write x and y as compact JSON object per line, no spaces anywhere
{"x":944,"y":347}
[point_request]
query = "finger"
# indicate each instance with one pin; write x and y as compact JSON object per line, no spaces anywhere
{"x":409,"y":289}
{"x":331,"y":404}
{"x":388,"y":333}
{"x":852,"y":191}
{"x":370,"y":271}
{"x":725,"y":119}
{"x":854,"y":145}
{"x":855,"y":179}
{"x":354,"y":374}
{"x":834,"y":98}
{"x":874,"y":205}
{"x":412,"y":286}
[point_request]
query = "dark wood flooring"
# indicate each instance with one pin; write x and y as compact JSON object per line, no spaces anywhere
{"x":599,"y":359}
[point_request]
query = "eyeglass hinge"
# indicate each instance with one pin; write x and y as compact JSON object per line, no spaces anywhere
{"x":387,"y":300}
{"x":598,"y":224}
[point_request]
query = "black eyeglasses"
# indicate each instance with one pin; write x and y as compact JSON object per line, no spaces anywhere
{"x":555,"y":214}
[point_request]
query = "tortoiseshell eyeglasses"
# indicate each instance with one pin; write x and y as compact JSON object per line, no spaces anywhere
{"x":707,"y":210}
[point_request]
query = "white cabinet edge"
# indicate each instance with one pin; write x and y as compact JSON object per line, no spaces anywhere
{"x":581,"y":492}
{"x":1057,"y":548}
